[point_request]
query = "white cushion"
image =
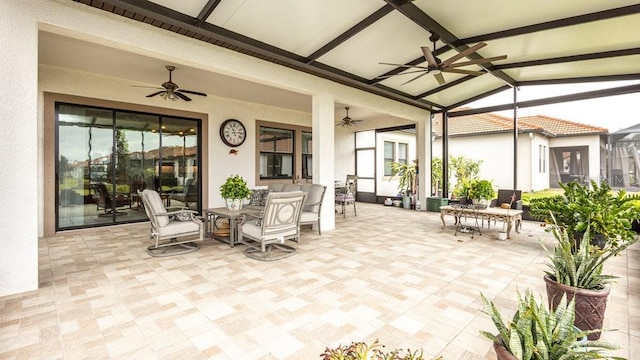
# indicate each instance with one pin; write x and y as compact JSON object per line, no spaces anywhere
{"x":156,"y":206}
{"x":308,"y":216}
{"x":255,"y":232}
{"x":179,"y":228}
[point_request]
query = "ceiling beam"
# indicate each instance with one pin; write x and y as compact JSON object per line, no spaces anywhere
{"x":445,"y":86}
{"x":584,"y":79}
{"x":548,"y":25}
{"x":249,"y":46}
{"x":206,"y":12}
{"x":571,"y":58}
{"x":379,"y":14}
{"x":622,"y":90}
{"x":423,"y":20}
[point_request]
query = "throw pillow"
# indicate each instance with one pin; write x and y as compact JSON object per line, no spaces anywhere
{"x":259,"y":197}
{"x":183,"y":216}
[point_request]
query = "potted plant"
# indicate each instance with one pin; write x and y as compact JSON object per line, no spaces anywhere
{"x":406,"y":180}
{"x":575,"y":269}
{"x":537,"y":333}
{"x":362,"y":351}
{"x":609,"y":215}
{"x":234,"y":191}
{"x":481,"y":191}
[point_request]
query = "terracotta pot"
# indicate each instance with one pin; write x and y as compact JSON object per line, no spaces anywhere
{"x":501,"y":352}
{"x":590,"y":304}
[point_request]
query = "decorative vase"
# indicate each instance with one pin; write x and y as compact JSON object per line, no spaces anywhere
{"x":234,"y":204}
{"x":590,"y":304}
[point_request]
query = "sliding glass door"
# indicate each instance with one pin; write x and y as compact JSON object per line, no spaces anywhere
{"x":104,"y":156}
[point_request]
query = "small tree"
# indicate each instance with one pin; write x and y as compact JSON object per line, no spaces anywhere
{"x":466,"y":170}
{"x":406,"y":176}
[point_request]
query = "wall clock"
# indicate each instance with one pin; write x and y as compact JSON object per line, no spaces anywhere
{"x":232,"y":132}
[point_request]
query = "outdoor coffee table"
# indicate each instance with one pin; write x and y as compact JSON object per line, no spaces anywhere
{"x":211,"y":215}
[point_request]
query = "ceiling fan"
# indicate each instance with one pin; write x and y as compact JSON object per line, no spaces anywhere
{"x":436,"y":66}
{"x":171,"y":91}
{"x":347,"y":121}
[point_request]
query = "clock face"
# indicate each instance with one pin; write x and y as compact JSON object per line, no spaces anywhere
{"x":232,"y":132}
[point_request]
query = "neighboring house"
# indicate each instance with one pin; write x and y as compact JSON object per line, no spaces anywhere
{"x":549,"y":150}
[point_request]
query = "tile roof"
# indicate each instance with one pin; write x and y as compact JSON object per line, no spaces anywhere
{"x":489,"y":123}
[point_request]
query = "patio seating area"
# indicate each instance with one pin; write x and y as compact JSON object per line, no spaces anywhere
{"x":394,"y":275}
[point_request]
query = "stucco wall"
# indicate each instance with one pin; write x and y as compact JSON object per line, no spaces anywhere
{"x":21,"y":107}
{"x":19,"y":173}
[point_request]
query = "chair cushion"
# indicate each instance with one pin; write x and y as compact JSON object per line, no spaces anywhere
{"x":179,"y":228}
{"x":308,"y":216}
{"x":291,"y":187}
{"x":259,"y":197}
{"x":314,"y":196}
{"x":255,"y":232}
{"x":156,"y":207}
{"x":276,"y":187}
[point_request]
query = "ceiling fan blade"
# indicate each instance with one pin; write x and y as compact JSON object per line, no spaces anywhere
{"x":440,"y":78}
{"x":182,"y":96}
{"x":148,"y":87}
{"x":478,"y":61}
{"x":156,"y":93}
{"x":431,"y":60}
{"x":192,"y":92}
{"x":415,"y":78}
{"x":464,"y":53}
{"x":402,"y":73}
{"x":463,"y":71}
{"x":405,"y":66}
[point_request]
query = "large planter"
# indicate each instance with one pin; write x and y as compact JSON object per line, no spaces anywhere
{"x":590,"y":304}
{"x":501,"y":352}
{"x":234,"y":204}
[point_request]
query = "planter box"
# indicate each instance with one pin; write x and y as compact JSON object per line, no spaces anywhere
{"x":434,"y":203}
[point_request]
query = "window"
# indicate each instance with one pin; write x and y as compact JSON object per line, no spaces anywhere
{"x":103,"y":156}
{"x":307,"y":160}
{"x":403,"y":153}
{"x":276,"y":153}
{"x":389,"y":157}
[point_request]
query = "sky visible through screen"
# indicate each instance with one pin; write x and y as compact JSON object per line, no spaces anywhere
{"x":613,"y":112}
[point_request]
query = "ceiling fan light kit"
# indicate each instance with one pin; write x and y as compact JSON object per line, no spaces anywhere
{"x":171,"y":91}
{"x":347,"y":121}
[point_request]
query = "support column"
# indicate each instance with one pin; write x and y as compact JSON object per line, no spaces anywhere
{"x":424,"y":142}
{"x":515,"y":137}
{"x":19,"y":150}
{"x":323,"y":118}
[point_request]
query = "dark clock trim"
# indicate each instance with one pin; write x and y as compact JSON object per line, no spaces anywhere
{"x":222,"y":126}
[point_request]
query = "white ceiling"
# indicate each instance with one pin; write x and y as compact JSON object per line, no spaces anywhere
{"x":542,"y":30}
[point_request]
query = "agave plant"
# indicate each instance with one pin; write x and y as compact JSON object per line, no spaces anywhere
{"x":537,"y":333}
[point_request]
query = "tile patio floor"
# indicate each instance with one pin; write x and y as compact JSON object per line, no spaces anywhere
{"x":387,"y":274}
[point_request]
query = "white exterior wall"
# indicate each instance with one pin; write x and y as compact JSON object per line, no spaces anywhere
{"x":21,"y":108}
{"x":495,"y":151}
{"x":19,"y":168}
{"x":386,"y":185}
{"x":537,"y":180}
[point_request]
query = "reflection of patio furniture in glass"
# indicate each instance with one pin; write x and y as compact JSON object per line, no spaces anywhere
{"x":109,"y":201}
{"x":167,"y":229}
{"x":189,"y":193}
{"x":133,"y":192}
{"x":281,"y":221}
